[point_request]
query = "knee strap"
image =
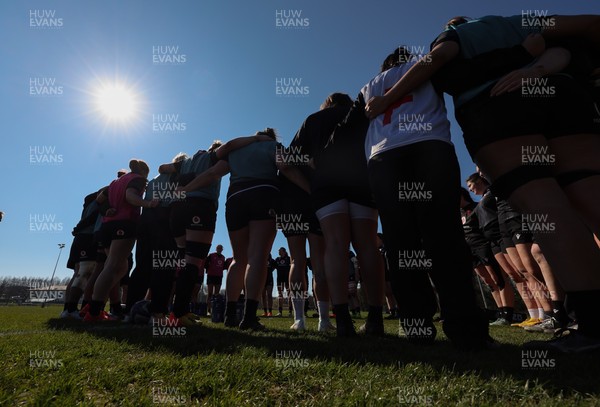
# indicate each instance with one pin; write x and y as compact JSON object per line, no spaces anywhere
{"x":568,"y":178}
{"x":506,"y":184}
{"x":197,"y":249}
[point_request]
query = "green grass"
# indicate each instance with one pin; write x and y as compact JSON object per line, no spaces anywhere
{"x":211,"y":365}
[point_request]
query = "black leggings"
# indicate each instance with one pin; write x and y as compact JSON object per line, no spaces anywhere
{"x":429,"y":224}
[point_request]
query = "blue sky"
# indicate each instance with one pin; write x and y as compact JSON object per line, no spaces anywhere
{"x":226,"y":58}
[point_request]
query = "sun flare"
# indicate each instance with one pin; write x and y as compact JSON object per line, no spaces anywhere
{"x":116,"y":102}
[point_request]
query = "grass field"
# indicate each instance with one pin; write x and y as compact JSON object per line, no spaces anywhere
{"x":46,"y":361}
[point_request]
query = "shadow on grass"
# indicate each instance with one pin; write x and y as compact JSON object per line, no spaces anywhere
{"x":558,"y":374}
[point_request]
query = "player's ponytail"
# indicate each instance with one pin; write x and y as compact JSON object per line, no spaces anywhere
{"x":401,"y":55}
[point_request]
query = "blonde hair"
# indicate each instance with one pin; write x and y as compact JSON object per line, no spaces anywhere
{"x":179,"y":157}
{"x":215,"y":144}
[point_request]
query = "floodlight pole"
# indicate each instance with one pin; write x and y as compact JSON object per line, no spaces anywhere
{"x":60,"y":247}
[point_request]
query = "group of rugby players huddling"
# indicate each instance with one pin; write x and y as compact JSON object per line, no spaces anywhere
{"x":516,"y":87}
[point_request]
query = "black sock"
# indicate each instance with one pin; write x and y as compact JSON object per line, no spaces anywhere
{"x":342,"y":314}
{"x":507,"y":313}
{"x":71,"y":306}
{"x":250,"y":310}
{"x":66,"y":306}
{"x":231,"y":309}
{"x":585,"y":306}
{"x":559,"y":312}
{"x":96,"y":307}
{"x":375,"y":314}
{"x":116,"y":309}
{"x":84,"y":303}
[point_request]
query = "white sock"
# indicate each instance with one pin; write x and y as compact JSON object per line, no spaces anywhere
{"x":298,"y":305}
{"x":533,"y":313}
{"x":323,"y":307}
{"x":542,"y":313}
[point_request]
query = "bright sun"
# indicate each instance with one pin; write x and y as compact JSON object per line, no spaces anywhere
{"x":116,"y":102}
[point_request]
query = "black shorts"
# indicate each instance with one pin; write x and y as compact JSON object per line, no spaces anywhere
{"x":259,"y":202}
{"x":214,"y":280}
{"x":557,"y":108}
{"x":84,"y":248}
{"x":297,"y":216}
{"x":98,"y":240}
{"x":482,"y":255}
{"x":358,"y":195}
{"x":193,"y":214}
{"x":494,"y":237}
{"x":506,"y":237}
{"x":497,"y":246}
{"x":515,"y":232}
{"x":100,"y":253}
{"x":283,"y":277}
{"x":117,"y":230}
{"x":72,"y":256}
